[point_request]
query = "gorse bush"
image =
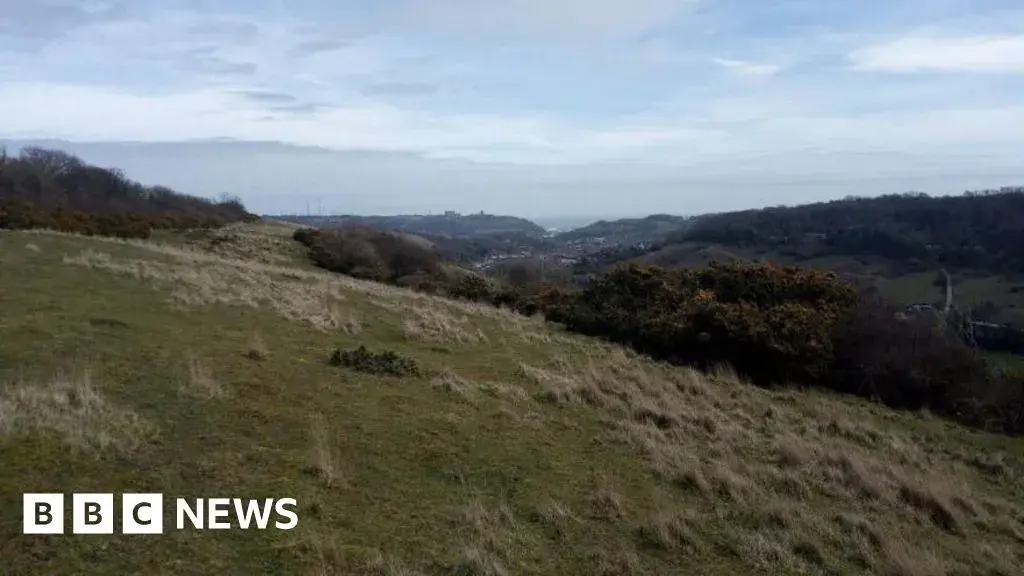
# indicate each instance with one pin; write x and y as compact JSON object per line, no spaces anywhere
{"x":386,"y":363}
{"x":772,"y":324}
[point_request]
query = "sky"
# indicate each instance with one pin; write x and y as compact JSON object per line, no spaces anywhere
{"x":527,"y":107}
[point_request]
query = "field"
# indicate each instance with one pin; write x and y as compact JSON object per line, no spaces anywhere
{"x":197,"y":367}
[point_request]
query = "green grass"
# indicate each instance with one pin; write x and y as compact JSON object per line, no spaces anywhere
{"x":524,"y":450}
{"x":1005,"y":361}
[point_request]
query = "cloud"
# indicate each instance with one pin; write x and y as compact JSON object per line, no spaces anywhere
{"x":995,"y":53}
{"x":400,"y":89}
{"x":310,"y":47}
{"x":205,"y":60}
{"x":543,"y":18}
{"x":268,"y":97}
{"x":744,"y":68}
{"x":49,"y":19}
{"x":647,"y":88}
{"x":306,"y":108}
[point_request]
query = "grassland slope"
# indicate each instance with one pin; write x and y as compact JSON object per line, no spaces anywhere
{"x":198,"y":367}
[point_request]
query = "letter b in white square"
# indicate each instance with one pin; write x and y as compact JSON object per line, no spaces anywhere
{"x":92,"y":514}
{"x":42,"y":513}
{"x":142,"y":513}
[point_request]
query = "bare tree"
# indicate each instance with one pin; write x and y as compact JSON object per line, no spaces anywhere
{"x":52,"y":163}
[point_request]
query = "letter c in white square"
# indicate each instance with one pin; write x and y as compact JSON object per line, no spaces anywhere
{"x":142,"y":513}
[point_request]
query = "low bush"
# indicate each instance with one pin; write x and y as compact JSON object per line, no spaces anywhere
{"x":385,"y":363}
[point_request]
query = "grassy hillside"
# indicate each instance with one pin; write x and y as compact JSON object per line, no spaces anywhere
{"x":198,"y":366}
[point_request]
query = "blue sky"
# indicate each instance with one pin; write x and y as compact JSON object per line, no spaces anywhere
{"x":527,"y":106}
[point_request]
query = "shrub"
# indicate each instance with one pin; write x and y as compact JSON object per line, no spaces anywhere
{"x":906,"y":364}
{"x":784,"y":325}
{"x":772,"y":323}
{"x":386,"y":362}
{"x":473,"y":287}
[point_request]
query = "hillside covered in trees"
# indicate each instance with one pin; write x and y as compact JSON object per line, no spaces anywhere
{"x":628,"y":231}
{"x":977,"y":230}
{"x":44,"y":188}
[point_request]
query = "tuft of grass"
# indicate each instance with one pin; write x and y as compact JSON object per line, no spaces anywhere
{"x":75,"y":410}
{"x":257,"y":348}
{"x":475,"y":561}
{"x":440,"y":326}
{"x":200,"y":380}
{"x":321,"y":460}
{"x":932,"y":504}
{"x":670,"y":532}
{"x":448,"y":381}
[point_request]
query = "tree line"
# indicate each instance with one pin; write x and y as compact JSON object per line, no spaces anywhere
{"x":45,"y":188}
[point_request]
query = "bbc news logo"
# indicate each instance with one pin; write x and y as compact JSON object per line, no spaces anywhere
{"x":144,"y":513}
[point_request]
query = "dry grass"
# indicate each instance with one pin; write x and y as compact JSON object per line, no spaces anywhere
{"x":382,"y":565}
{"x":200,"y":380}
{"x":322,"y":461}
{"x":72,"y":408}
{"x":440,"y":326}
{"x":265,"y":242}
{"x":257,"y":348}
{"x":326,"y":558}
{"x":198,"y":279}
{"x":722,"y":441}
{"x":237,"y":271}
{"x":496,"y":542}
{"x":475,"y":561}
{"x":555,"y":515}
{"x":669,"y":531}
{"x":206,"y":277}
{"x":450,"y":382}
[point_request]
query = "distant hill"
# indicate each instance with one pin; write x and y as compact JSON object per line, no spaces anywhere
{"x":894,"y":243}
{"x":976,"y":231}
{"x":627,"y":231}
{"x":448,"y":225}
